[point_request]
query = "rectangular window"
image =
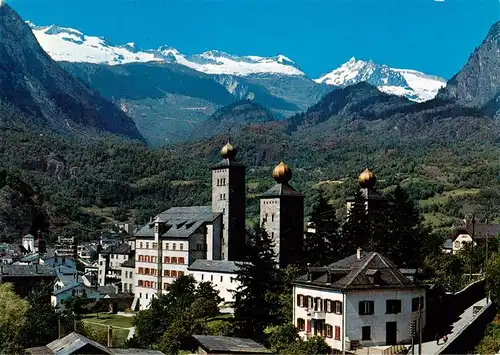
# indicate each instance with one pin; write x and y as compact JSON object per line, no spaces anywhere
{"x":174,"y":260}
{"x":329,"y":332}
{"x":181,"y":246}
{"x":155,"y":245}
{"x":173,"y":246}
{"x":140,"y":283}
{"x":337,"y":332}
{"x":166,"y":273}
{"x":393,"y":306}
{"x":141,"y":270}
{"x":221,"y":278}
{"x":317,"y":304}
{"x":201,"y":277}
{"x":166,"y":260}
{"x":180,"y":273}
{"x":211,"y":277}
{"x":140,"y":245}
{"x":300,"y":300}
{"x":366,"y":307}
{"x":309,"y":302}
{"x":366,"y":333}
{"x":166,"y":246}
{"x":147,"y":245}
{"x":181,"y":260}
{"x":309,"y":326}
{"x":415,"y":303}
{"x":165,"y":285}
{"x":338,"y":307}
{"x":301,"y":324}
{"x":173,"y":273}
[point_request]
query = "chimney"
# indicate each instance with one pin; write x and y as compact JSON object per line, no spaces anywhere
{"x":110,"y":336}
{"x":358,"y":253}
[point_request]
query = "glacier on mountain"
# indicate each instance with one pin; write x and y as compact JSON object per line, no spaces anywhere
{"x":412,"y":84}
{"x":67,"y":44}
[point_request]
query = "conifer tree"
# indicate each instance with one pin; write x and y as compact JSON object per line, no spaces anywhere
{"x":405,"y":236}
{"x":357,"y":229}
{"x":256,"y":304}
{"x":323,"y":245}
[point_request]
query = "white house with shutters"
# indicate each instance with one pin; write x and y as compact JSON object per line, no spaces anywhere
{"x":362,"y":300}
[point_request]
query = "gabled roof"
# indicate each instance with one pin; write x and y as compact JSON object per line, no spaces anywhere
{"x":230,"y":345}
{"x":480,"y":230}
{"x":221,"y":266}
{"x":371,"y":271}
{"x":280,"y":190}
{"x":71,"y":344}
{"x":180,"y":222}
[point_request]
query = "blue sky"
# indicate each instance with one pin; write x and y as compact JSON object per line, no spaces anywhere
{"x":435,"y":37}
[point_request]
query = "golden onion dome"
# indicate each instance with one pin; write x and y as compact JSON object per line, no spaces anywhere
{"x":228,"y":151}
{"x":282,"y":173}
{"x":367,"y":179}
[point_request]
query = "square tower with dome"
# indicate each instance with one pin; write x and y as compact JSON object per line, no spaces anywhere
{"x":228,"y":198}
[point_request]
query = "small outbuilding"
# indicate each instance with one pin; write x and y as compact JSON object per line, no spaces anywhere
{"x":209,"y":344}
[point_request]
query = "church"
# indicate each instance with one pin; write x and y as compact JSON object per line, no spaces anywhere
{"x":209,"y":240}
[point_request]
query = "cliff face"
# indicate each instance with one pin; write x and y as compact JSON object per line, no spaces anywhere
{"x":478,"y":82}
{"x":32,"y":83}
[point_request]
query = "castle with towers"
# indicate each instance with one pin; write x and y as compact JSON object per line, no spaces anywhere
{"x":207,"y":241}
{"x":214,"y":237}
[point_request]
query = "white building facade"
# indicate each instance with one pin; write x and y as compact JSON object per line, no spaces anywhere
{"x":361,"y":300}
{"x":220,"y":273}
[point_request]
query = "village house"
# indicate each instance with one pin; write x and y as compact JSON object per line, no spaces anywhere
{"x":362,"y":300}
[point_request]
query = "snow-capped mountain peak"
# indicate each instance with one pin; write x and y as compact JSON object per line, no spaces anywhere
{"x":412,"y":84}
{"x":67,"y":44}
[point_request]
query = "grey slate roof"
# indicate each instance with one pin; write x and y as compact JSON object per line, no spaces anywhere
{"x":68,"y":275}
{"x":27,"y":270}
{"x":71,"y":344}
{"x":481,"y":230}
{"x":230,"y":345}
{"x":69,"y":286}
{"x":181,"y":222}
{"x":122,"y":248}
{"x":280,"y":190}
{"x":132,"y":351}
{"x":353,"y":273}
{"x":130,"y":262}
{"x":225,"y":163}
{"x":222,"y":266}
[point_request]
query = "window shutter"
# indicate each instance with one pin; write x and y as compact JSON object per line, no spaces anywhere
{"x":371,"y":306}
{"x":324,"y":332}
{"x":361,"y":308}
{"x":298,"y":300}
{"x":309,"y":327}
{"x":337,"y":332}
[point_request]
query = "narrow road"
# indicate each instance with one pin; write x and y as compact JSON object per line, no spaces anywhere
{"x":431,"y":348}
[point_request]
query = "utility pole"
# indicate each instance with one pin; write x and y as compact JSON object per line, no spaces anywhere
{"x":484,"y":265}
{"x":420,"y":326}
{"x":472,"y":244}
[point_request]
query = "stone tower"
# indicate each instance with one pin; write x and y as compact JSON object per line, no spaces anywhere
{"x":228,"y":198}
{"x":374,"y":201}
{"x":282,"y":215}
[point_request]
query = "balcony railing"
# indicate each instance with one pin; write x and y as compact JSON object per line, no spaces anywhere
{"x":318,"y":315}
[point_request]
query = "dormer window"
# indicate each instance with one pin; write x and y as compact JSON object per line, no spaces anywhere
{"x":374,"y":276}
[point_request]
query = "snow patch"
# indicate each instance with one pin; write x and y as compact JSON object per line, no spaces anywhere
{"x":412,"y":84}
{"x":67,"y":44}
